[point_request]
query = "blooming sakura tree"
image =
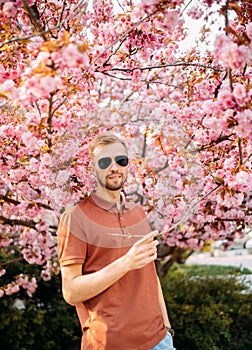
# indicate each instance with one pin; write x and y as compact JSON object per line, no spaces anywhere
{"x":70,"y":69}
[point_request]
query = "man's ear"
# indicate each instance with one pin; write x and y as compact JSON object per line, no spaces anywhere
{"x":92,"y":167}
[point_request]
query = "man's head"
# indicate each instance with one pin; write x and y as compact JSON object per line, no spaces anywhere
{"x":109,"y":158}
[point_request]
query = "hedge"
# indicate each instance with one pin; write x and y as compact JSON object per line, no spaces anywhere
{"x":209,"y":312}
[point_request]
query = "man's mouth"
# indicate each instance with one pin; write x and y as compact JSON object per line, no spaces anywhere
{"x":114,"y":177}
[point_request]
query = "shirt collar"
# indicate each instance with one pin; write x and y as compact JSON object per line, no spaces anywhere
{"x":109,"y":205}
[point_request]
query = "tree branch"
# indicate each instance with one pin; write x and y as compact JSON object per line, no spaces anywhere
{"x":190,"y":210}
{"x":34,"y":17}
{"x":43,"y":32}
{"x":240,"y":151}
{"x":214,"y":142}
{"x":187,"y":64}
{"x":15,"y":202}
{"x":16,"y":222}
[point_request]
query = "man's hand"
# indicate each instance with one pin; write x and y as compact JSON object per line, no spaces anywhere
{"x":142,"y":252}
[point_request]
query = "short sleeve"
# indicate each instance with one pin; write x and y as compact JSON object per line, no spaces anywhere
{"x":71,"y":249}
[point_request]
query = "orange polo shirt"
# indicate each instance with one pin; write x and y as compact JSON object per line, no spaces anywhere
{"x":127,"y":315}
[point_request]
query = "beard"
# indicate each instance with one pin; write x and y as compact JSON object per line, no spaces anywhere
{"x":111,"y":184}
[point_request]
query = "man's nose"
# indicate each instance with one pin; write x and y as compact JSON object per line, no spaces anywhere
{"x":114,"y":166}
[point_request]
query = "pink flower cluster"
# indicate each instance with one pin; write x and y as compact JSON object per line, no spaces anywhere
{"x":38,"y":87}
{"x":72,"y":56}
{"x":36,"y":246}
{"x":231,"y":54}
{"x":50,"y":269}
{"x":22,"y":281}
{"x":244,"y":127}
{"x":168,"y":21}
{"x":27,"y":283}
{"x":195,"y":12}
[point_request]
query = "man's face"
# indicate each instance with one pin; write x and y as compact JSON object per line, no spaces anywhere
{"x":112,"y":176}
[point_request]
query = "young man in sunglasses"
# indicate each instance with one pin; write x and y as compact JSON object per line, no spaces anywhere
{"x":106,"y":252}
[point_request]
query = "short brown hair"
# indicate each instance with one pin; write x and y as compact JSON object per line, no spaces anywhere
{"x":104,"y":139}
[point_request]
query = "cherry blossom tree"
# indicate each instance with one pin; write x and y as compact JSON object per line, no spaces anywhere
{"x":70,"y":69}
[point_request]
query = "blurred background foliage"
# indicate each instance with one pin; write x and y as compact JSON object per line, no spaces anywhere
{"x":41,"y":322}
{"x":210,"y":308}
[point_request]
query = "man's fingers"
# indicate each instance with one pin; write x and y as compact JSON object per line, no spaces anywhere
{"x":148,"y":236}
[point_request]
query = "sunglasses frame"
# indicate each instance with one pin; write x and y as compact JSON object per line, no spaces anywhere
{"x":109,"y":160}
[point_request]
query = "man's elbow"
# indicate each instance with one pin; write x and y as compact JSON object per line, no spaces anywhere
{"x":70,"y":297}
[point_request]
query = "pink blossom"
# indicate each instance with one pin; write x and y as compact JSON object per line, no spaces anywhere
{"x":167,"y":22}
{"x":8,"y":87}
{"x":50,"y":268}
{"x":240,"y":56}
{"x":2,"y":70}
{"x":2,"y":272}
{"x":59,"y":196}
{"x":230,"y":200}
{"x":179,"y":185}
{"x":62,"y":177}
{"x":225,"y":99}
{"x":30,"y":285}
{"x":41,"y":226}
{"x":214,"y":123}
{"x":28,"y":139}
{"x":42,"y":57}
{"x":228,"y":165}
{"x":148,"y":181}
{"x":148,"y":5}
{"x":10,"y":9}
{"x":11,"y":288}
{"x":73,"y":57}
{"x":140,"y":86}
{"x":38,"y":87}
{"x":209,"y":107}
{"x":192,"y":243}
{"x":195,"y":12}
{"x":1,"y":293}
{"x":249,"y":30}
{"x":244,"y":127}
{"x":231,"y":54}
{"x":244,"y":180}
{"x":5,"y":242}
{"x":204,"y":89}
{"x":240,"y":94}
{"x":36,"y":246}
{"x":45,"y":275}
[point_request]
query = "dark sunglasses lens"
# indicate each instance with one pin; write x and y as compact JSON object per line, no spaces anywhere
{"x":104,"y":162}
{"x":122,"y":160}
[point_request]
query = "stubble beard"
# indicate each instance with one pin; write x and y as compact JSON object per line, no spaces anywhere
{"x":111,"y":186}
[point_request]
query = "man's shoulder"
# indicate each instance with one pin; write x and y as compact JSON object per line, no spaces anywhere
{"x":75,"y":207}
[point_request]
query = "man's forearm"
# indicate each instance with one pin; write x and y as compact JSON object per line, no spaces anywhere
{"x":79,"y":288}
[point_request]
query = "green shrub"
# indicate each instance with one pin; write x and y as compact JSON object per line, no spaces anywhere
{"x":44,"y":322}
{"x":208,"y":312}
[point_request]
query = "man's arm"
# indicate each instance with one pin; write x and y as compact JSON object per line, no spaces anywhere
{"x":78,"y":288}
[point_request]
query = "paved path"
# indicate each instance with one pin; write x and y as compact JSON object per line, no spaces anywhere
{"x":237,"y":257}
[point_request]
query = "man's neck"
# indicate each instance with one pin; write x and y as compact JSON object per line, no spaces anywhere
{"x":113,"y":196}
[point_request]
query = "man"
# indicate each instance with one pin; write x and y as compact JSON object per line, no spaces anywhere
{"x":107,"y":252}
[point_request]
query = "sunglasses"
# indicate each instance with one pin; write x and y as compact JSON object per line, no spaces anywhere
{"x":105,"y":162}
